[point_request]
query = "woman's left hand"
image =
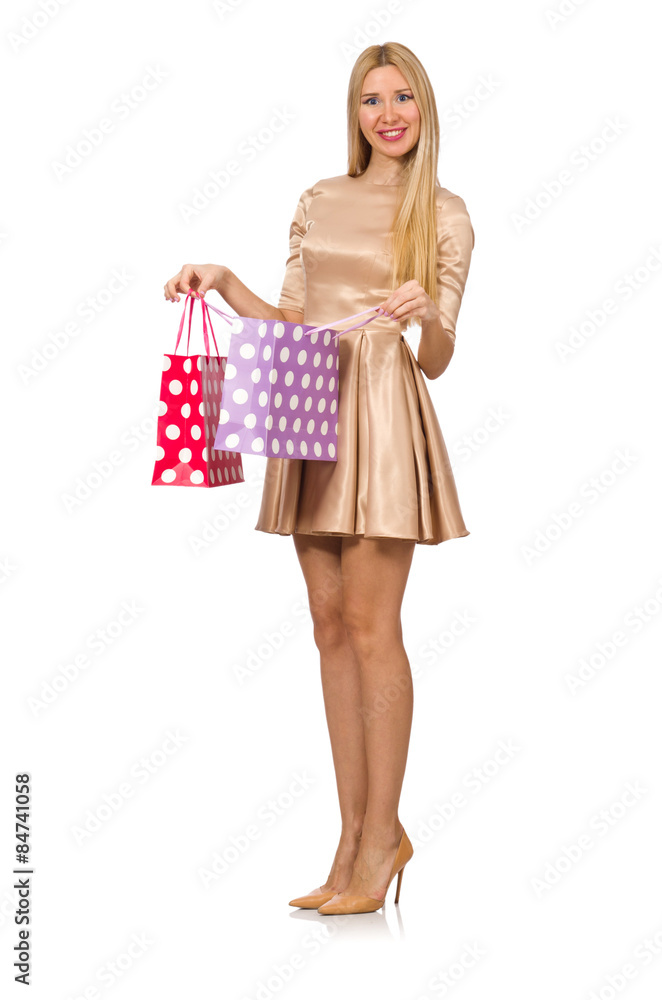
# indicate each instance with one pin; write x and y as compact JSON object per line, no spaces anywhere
{"x":408,"y":301}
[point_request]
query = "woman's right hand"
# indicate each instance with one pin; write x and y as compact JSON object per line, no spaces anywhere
{"x":194,"y":277}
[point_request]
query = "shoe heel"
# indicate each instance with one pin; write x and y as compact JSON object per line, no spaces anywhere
{"x":397,"y":888}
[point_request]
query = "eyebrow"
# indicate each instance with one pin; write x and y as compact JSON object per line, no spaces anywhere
{"x":376,"y":94}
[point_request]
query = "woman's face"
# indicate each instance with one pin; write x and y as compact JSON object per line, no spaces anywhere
{"x":388,"y":105}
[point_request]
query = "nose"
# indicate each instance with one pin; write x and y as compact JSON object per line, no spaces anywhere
{"x":389,"y":118}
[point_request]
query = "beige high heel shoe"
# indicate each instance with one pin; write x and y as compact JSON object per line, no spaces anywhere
{"x":313,"y":899}
{"x":368,"y":904}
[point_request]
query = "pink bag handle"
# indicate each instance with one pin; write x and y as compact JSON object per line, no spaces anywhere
{"x":317,"y":329}
{"x":206,"y":306}
{"x":205,"y":318}
{"x":220,"y":312}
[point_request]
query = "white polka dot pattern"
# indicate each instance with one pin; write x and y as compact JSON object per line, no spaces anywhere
{"x":280,"y":387}
{"x":188,"y":415}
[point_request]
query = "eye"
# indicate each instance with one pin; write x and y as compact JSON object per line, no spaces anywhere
{"x":408,"y":97}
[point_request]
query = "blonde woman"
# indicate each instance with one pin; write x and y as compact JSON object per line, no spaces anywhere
{"x":387,"y":236}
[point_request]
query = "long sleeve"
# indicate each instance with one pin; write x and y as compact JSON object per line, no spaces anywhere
{"x":454,"y":247}
{"x":292,"y":295}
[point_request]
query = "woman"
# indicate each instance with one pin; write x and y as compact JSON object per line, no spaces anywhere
{"x":384,"y":235}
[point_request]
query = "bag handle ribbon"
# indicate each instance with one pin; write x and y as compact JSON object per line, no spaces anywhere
{"x":206,"y":318}
{"x":339,"y":333}
{"x":316,"y":329}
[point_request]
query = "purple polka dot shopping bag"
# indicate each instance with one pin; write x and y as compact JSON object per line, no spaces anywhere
{"x":280,"y":395}
{"x":190,"y":399}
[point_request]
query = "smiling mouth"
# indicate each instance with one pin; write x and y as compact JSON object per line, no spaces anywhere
{"x":392,"y":133}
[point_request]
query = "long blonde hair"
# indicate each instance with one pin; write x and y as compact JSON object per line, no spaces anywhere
{"x":414,"y":235}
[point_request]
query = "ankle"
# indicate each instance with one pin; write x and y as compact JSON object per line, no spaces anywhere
{"x":382,"y":833}
{"x":351,"y":830}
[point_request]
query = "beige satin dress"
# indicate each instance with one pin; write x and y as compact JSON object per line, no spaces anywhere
{"x":392,"y":477}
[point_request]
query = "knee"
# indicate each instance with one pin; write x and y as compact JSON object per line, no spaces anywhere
{"x":328,"y":630}
{"x":369,"y":634}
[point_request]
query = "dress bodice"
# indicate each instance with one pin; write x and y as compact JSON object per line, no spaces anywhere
{"x":339,"y":261}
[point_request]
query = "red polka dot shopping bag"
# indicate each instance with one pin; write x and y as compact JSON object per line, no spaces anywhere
{"x":281,"y":388}
{"x":190,"y":402}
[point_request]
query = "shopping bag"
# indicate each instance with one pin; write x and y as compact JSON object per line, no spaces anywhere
{"x":190,"y":399}
{"x":281,"y":388}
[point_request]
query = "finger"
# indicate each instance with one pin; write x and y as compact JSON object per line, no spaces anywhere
{"x":186,"y":276}
{"x":389,"y":309}
{"x":170,"y":288}
{"x":401,"y":311}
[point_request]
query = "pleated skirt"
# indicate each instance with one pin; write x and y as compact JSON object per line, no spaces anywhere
{"x":392,"y":477}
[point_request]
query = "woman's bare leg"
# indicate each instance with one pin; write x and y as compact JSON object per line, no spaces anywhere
{"x":374,"y":573}
{"x":320,"y":559}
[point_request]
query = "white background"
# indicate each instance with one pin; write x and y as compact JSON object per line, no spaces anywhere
{"x":500,"y":873}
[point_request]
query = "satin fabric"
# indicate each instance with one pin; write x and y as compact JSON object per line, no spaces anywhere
{"x":392,"y":477}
